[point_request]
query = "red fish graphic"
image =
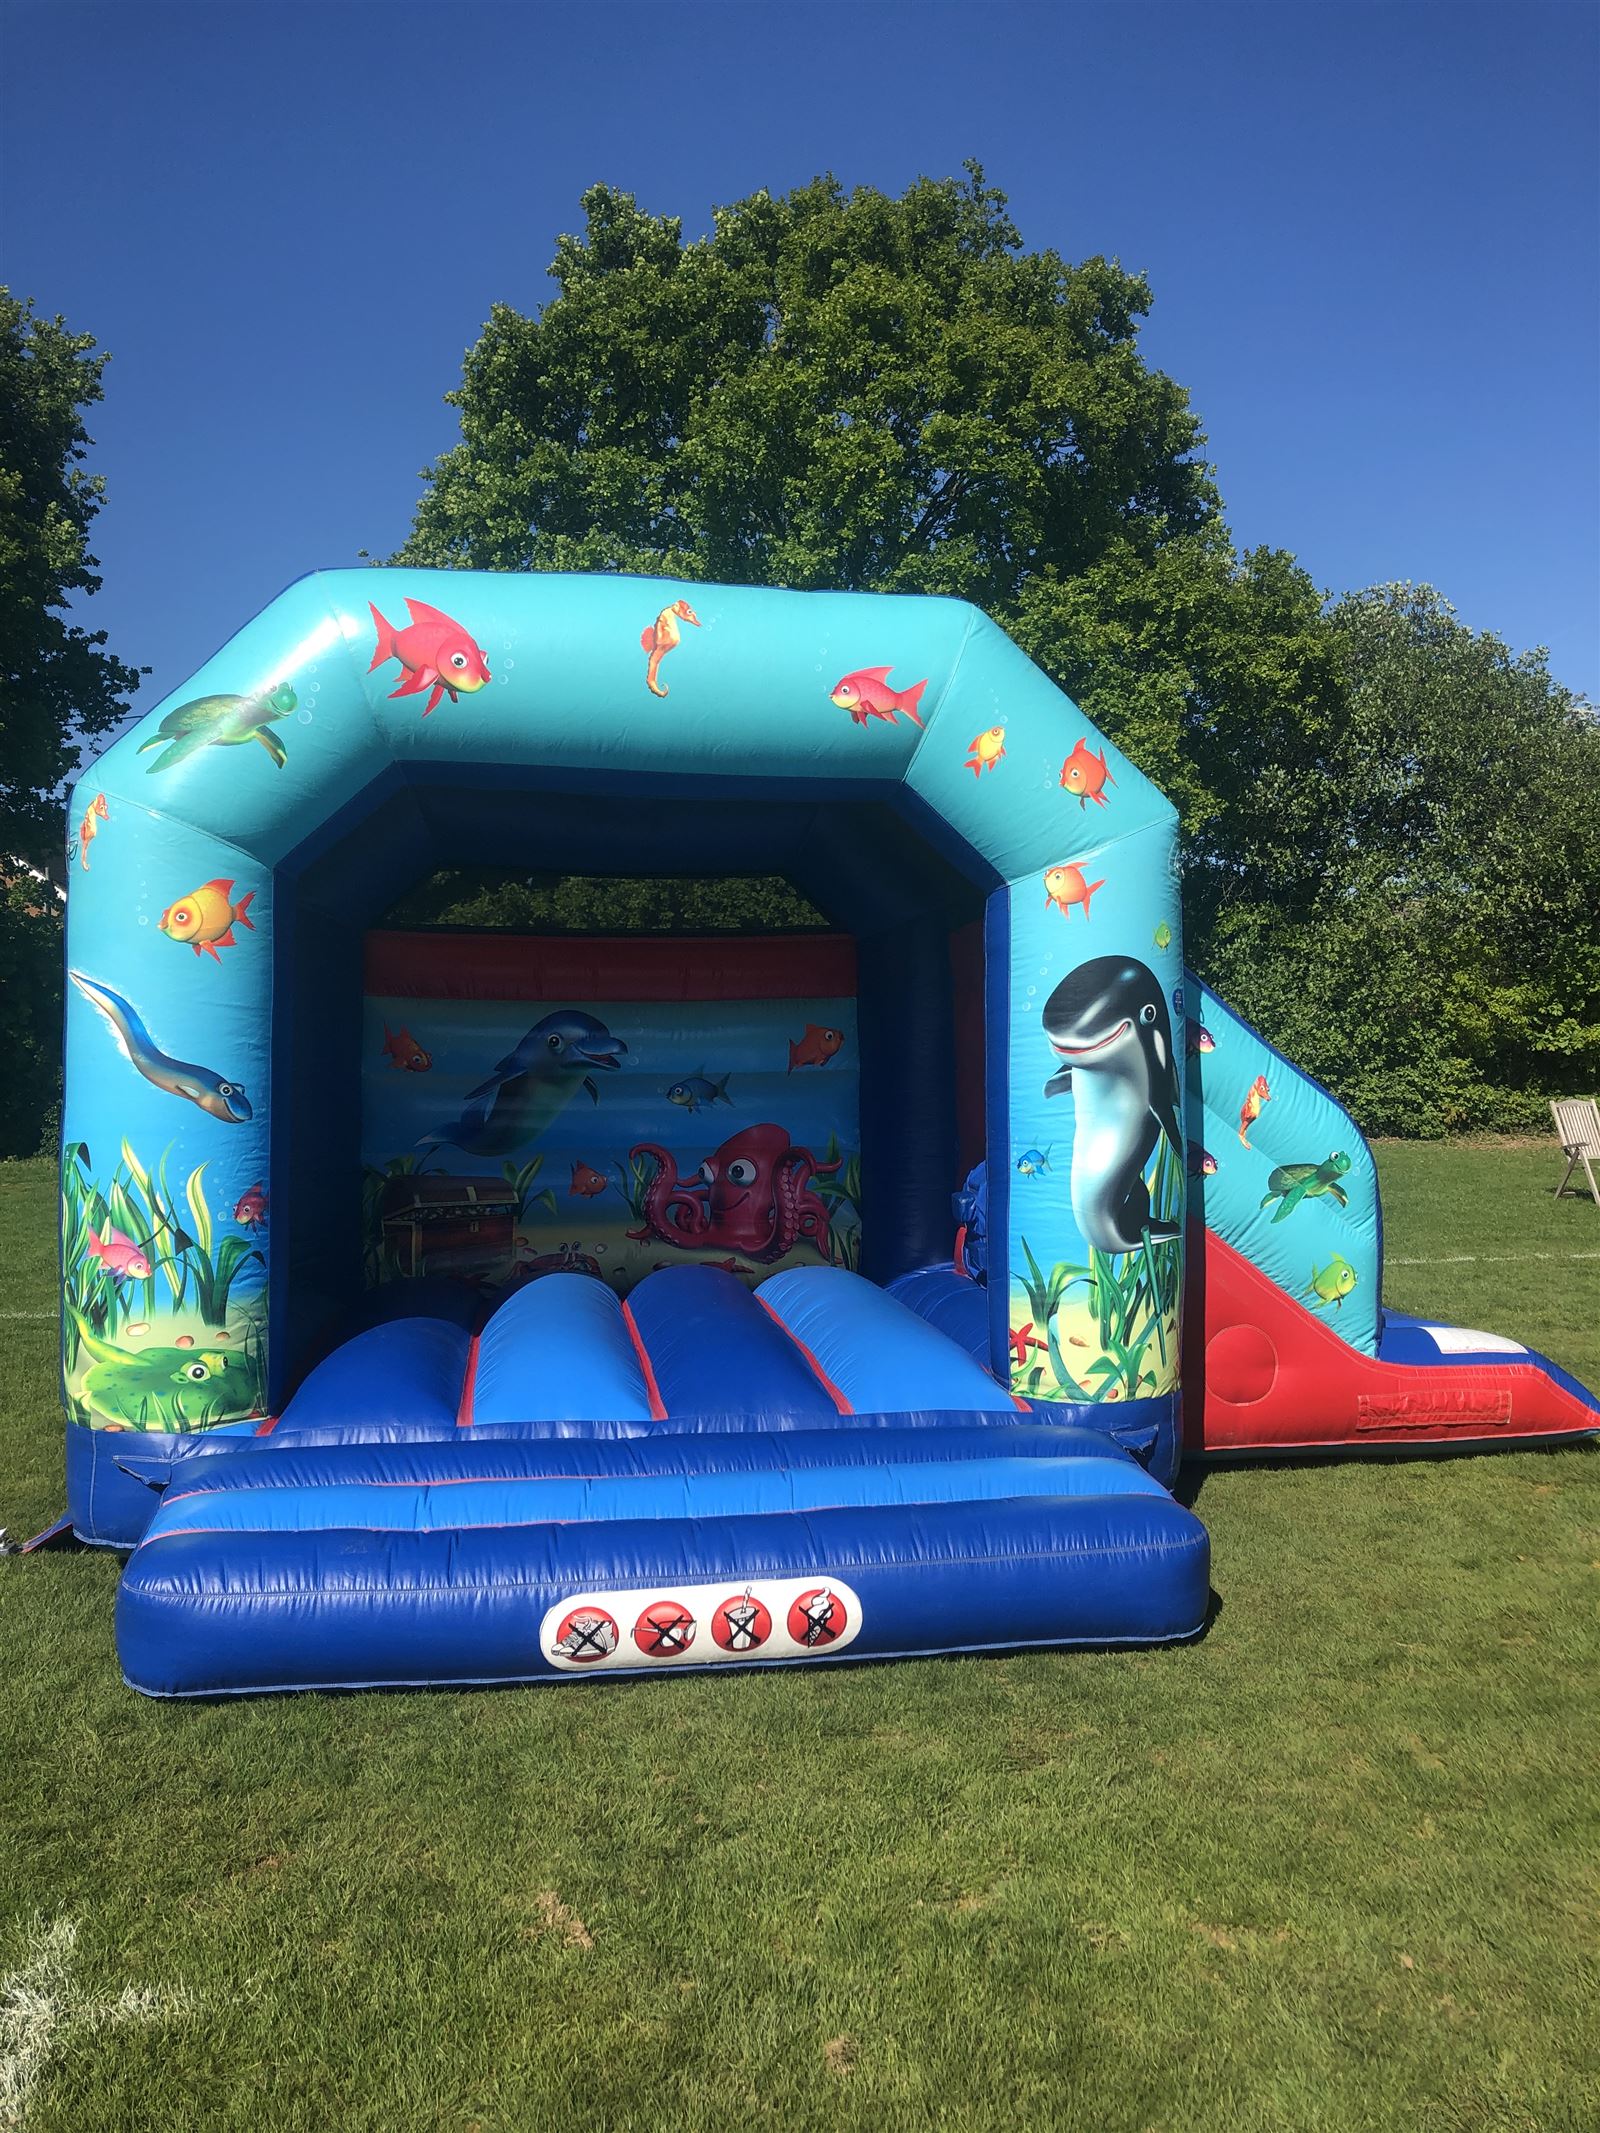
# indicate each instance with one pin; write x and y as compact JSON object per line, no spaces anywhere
{"x":662,"y":637}
{"x":122,"y":1259}
{"x":866,"y":694}
{"x":435,"y":651}
{"x":1086,"y":775}
{"x":404,"y":1051}
{"x":815,"y":1047}
{"x":251,"y":1211}
{"x":587,"y":1182}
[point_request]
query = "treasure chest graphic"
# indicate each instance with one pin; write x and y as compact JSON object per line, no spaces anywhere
{"x":443,"y":1225}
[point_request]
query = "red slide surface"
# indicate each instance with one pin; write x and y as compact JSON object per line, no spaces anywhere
{"x":1262,"y":1373}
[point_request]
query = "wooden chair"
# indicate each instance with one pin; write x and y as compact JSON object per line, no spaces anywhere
{"x":1578,"y":1130}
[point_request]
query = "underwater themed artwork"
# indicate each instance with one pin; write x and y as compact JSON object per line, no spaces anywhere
{"x":664,"y":635}
{"x":985,"y":749}
{"x":213,"y":1092}
{"x":221,"y":722}
{"x":867,"y":694}
{"x":206,"y":917}
{"x":1109,"y":1030}
{"x":563,"y":1130}
{"x":95,"y":812}
{"x":434,"y":652}
{"x":163,"y":1296}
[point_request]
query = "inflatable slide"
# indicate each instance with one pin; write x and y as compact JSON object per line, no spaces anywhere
{"x":485,"y":1307}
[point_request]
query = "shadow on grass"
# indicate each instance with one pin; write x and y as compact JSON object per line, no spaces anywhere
{"x":1195,"y":1472}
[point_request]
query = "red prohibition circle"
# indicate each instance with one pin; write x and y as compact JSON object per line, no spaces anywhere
{"x":818,"y":1617}
{"x":586,"y":1635}
{"x":664,"y":1630}
{"x":741,"y":1623}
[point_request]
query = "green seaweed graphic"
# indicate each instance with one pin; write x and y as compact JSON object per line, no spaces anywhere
{"x":1134,"y":1297}
{"x":191,"y":1271}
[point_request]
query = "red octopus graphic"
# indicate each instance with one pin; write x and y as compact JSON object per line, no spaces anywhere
{"x":752,"y":1196}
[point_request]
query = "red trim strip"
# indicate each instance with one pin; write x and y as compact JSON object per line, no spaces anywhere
{"x":658,"y":1406}
{"x":822,"y":1377}
{"x":564,"y":967}
{"x":265,"y":1429}
{"x":469,"y":1385}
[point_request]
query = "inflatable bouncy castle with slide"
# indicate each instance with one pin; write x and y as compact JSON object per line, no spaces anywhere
{"x":452,"y":1307}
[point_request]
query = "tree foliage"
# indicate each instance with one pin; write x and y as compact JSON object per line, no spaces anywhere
{"x":502,"y":897}
{"x":1447,"y":972}
{"x":58,"y":683}
{"x":1389,"y":822}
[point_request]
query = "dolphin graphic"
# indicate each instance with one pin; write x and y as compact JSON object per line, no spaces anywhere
{"x":1108,"y":1024}
{"x":199,"y":1085}
{"x":529,"y":1087}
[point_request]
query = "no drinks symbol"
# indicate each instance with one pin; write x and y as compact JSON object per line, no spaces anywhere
{"x":741,"y":1623}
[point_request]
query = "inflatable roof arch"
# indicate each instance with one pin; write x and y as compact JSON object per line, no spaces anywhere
{"x":325,"y":759}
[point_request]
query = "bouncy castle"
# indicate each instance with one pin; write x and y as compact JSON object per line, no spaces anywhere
{"x":485,"y":1307}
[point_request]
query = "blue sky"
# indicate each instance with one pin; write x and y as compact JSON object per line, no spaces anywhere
{"x":1372,"y":233}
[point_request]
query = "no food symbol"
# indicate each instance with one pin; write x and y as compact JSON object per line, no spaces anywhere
{"x":741,"y":1623}
{"x":818,"y":1617}
{"x":664,"y":1629}
{"x":585,"y":1635}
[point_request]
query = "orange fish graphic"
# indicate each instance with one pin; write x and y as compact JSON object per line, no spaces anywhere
{"x":206,"y":917}
{"x":404,"y":1051}
{"x":587,"y":1182}
{"x":89,"y":828}
{"x":1065,"y":886}
{"x":866,"y":694}
{"x":435,"y":651}
{"x":1250,"y":1109}
{"x":815,"y":1047}
{"x":1086,"y":775}
{"x":662,"y":637}
{"x":985,"y":750}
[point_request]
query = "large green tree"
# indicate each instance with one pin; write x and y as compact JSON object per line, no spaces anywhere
{"x":851,"y":390}
{"x":58,"y":683}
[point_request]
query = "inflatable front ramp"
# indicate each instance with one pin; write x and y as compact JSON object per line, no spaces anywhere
{"x":703,"y":1476}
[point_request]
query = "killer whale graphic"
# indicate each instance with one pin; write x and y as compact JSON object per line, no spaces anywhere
{"x":1108,"y":1024}
{"x":200,"y":1085}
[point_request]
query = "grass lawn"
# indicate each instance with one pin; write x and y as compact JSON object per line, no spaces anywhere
{"x":1333,"y":1867}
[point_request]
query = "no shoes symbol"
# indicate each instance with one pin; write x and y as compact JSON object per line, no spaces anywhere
{"x":664,"y":1629}
{"x":741,"y":1623}
{"x":818,"y":1617}
{"x":585,"y":1635}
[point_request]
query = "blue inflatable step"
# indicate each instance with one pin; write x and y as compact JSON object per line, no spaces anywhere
{"x":480,"y":1559}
